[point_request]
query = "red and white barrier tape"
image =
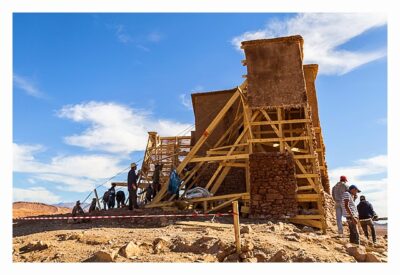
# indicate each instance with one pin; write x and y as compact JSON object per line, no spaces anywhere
{"x":126,"y":216}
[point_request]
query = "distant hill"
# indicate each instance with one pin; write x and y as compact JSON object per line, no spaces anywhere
{"x":70,"y":205}
{"x":26,"y":209}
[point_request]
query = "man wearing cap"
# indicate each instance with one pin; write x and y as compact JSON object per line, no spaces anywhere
{"x":132,"y":187}
{"x":350,"y":212}
{"x":111,"y":199}
{"x":367,"y":215}
{"x":337,"y":193}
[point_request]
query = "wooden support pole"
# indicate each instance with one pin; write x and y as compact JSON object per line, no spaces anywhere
{"x":97,"y":198}
{"x":236,"y":226}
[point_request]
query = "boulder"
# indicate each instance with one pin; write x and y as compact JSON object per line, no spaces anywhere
{"x":280,"y":256}
{"x":34,"y":246}
{"x":291,"y":238}
{"x":233,"y":258}
{"x":161,"y":245}
{"x":357,"y":252}
{"x":104,"y":256}
{"x":261,"y":256}
{"x":246,"y":229}
{"x":129,"y":250}
{"x":372,"y":258}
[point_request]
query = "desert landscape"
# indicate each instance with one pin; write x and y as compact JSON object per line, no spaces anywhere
{"x":179,"y":240}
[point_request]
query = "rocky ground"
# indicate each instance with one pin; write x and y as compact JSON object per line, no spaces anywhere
{"x":185,"y":241}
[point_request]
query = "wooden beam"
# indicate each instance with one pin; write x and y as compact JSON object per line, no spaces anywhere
{"x":303,"y":176}
{"x":312,"y":223}
{"x":279,"y":139}
{"x":307,"y":197}
{"x":279,"y":121}
{"x":222,"y":205}
{"x":220,"y":158}
{"x":222,"y":197}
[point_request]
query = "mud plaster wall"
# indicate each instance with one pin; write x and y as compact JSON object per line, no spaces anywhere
{"x":273,"y":185}
{"x":234,"y":182}
{"x":206,"y":107}
{"x":275,"y":72}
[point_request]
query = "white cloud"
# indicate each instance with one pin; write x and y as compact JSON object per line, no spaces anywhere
{"x":121,"y":34}
{"x":35,"y":194}
{"x":116,"y":128}
{"x":370,"y":176}
{"x":79,"y":173}
{"x":154,"y":37}
{"x":186,"y":101}
{"x":323,"y":34}
{"x":28,"y":86}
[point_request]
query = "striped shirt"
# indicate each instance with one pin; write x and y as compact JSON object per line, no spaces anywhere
{"x":352,"y":205}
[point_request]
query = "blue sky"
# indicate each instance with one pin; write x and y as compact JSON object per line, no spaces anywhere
{"x":87,"y":87}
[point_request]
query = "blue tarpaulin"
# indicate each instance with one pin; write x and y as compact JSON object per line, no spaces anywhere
{"x":174,"y":182}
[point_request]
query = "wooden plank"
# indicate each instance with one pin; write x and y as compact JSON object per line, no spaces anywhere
{"x":97,"y":199}
{"x":222,"y":205}
{"x":303,"y":188}
{"x":121,"y":184}
{"x":303,"y":176}
{"x":307,"y":197}
{"x":216,"y":198}
{"x":279,"y":139}
{"x":272,"y":122}
{"x":308,"y":217}
{"x":312,"y":223}
{"x":220,"y":158}
{"x":205,"y":224}
{"x":304,"y":156}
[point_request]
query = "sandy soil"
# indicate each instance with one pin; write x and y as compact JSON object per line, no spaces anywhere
{"x":27,"y":209}
{"x":194,"y":241}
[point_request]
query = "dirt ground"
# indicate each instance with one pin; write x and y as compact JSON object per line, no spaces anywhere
{"x":185,"y":241}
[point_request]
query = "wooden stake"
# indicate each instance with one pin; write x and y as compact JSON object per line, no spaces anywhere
{"x":97,"y":198}
{"x":236,"y":226}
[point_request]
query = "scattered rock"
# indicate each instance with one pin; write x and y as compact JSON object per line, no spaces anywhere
{"x":233,"y":258}
{"x":247,"y":246}
{"x":280,"y":256}
{"x":245,"y":255}
{"x":250,"y":260}
{"x":302,"y":257}
{"x":291,"y":238}
{"x":129,"y":250}
{"x":357,"y":252}
{"x":261,"y":256}
{"x":34,"y":246}
{"x":372,"y":258}
{"x":246,"y":229}
{"x":161,"y":245}
{"x":104,"y":256}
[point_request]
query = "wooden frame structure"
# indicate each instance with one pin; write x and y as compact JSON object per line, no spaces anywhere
{"x":270,"y":129}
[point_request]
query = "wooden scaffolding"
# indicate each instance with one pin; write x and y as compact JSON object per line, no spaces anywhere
{"x":269,"y":129}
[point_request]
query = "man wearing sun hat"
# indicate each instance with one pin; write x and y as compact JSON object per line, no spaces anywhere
{"x":337,"y":194}
{"x":350,"y":212}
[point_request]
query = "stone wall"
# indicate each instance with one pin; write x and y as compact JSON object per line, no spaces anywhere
{"x":275,"y":71}
{"x":273,"y":185}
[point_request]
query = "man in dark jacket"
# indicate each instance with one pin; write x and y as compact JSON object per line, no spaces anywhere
{"x":367,"y":215}
{"x":120,"y":199}
{"x":132,"y":187}
{"x":111,"y":200}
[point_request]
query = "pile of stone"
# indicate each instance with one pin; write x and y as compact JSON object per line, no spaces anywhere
{"x":273,"y":185}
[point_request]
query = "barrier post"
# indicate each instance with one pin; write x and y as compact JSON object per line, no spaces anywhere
{"x":236,"y":225}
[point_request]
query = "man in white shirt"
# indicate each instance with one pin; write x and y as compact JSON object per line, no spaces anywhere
{"x":337,"y":194}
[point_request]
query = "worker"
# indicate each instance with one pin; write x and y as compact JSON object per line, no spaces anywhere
{"x":149,"y":193}
{"x":120,"y":199}
{"x":132,"y":187}
{"x":106,"y":197}
{"x":111,"y":200}
{"x":156,"y":179}
{"x":367,"y":215}
{"x":78,"y":211}
{"x":337,"y":193}
{"x":350,"y":212}
{"x":93,"y":205}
